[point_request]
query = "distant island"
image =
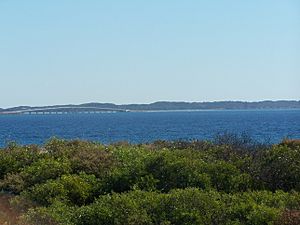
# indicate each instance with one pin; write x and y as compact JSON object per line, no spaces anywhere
{"x":156,"y":106}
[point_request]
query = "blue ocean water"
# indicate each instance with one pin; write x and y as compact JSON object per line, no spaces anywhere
{"x":137,"y":127}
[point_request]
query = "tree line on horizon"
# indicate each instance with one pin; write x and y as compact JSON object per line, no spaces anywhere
{"x":169,"y":105}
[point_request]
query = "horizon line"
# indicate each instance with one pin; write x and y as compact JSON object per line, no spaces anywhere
{"x":153,"y":102}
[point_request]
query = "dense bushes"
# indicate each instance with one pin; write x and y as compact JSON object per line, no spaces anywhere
{"x":223,"y":182}
{"x":74,"y":189}
{"x":13,"y":158}
{"x":38,"y":172}
{"x":279,"y":168}
{"x":178,"y":207}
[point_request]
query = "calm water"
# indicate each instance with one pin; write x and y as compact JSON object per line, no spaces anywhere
{"x":263,"y":125}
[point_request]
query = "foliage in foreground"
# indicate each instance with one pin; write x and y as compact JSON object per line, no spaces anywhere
{"x":229,"y":181}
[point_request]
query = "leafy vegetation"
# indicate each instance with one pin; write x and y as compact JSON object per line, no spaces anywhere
{"x":229,"y":181}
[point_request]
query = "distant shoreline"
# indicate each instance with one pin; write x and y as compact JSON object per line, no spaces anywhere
{"x":163,"y":106}
{"x":149,"y":111}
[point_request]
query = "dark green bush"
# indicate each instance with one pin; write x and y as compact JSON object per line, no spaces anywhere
{"x":73,"y":189}
{"x":38,"y":172}
{"x":56,"y":214}
{"x":189,"y":206}
{"x":173,"y":171}
{"x":226,"y":177}
{"x":92,"y":160}
{"x":278,"y":168}
{"x":45,"y":169}
{"x":14,"y":158}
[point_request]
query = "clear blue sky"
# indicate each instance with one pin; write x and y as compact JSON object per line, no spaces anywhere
{"x":75,"y":51}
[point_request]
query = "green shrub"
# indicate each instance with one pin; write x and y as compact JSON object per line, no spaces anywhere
{"x":129,"y":169}
{"x":189,"y":206}
{"x":278,"y":168}
{"x":73,"y":189}
{"x":80,"y":182}
{"x":116,"y":209}
{"x":38,"y":172}
{"x":62,"y":148}
{"x":46,"y":193}
{"x":14,"y":158}
{"x":45,"y":169}
{"x":55,"y":214}
{"x":92,"y":160}
{"x":226,"y":177}
{"x":177,"y":172}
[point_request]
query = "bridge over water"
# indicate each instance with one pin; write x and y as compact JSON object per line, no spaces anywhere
{"x":64,"y":110}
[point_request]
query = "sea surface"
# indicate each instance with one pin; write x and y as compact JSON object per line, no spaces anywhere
{"x":137,"y":127}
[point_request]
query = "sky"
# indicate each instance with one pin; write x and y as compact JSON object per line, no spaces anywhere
{"x":77,"y":51}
